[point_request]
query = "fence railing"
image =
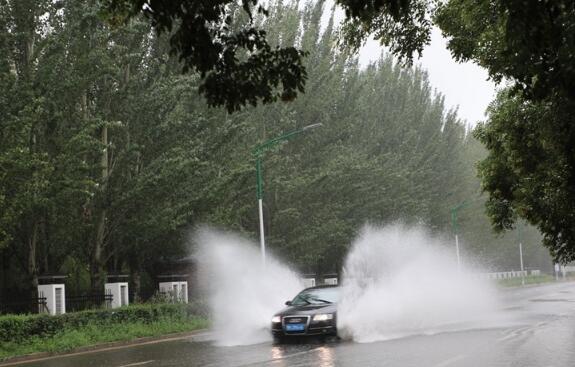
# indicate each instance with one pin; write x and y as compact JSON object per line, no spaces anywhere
{"x":22,"y":306}
{"x":86,"y":302}
{"x":505,"y":274}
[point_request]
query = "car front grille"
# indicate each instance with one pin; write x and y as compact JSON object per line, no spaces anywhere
{"x":296,"y":319}
{"x":287,"y":320}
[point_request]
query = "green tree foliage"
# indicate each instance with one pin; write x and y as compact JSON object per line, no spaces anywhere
{"x":528,"y":43}
{"x":108,"y":155}
{"x":98,"y":132}
{"x":530,"y":170}
{"x":402,"y":25}
{"x":388,"y":150}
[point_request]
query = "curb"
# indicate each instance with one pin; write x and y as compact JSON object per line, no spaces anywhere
{"x":541,"y":284}
{"x":41,"y":356}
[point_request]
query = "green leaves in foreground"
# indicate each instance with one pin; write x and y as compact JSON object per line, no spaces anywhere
{"x":530,"y":169}
{"x":221,"y":41}
{"x":530,"y":131}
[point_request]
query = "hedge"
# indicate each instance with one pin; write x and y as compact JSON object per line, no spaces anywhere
{"x":19,"y":328}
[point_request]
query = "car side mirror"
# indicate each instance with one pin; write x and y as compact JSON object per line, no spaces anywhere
{"x":288,"y":303}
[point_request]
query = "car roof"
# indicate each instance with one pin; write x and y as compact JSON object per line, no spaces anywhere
{"x":321,"y":287}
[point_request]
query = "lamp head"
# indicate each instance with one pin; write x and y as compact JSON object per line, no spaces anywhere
{"x":312,"y":126}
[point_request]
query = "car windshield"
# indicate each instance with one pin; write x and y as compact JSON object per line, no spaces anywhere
{"x":316,"y":296}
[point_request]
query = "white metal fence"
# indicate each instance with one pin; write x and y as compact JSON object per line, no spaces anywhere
{"x":506,"y":274}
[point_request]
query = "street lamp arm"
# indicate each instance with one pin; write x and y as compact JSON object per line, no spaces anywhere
{"x":459,"y":206}
{"x":258,"y":153}
{"x":312,"y":126}
{"x":258,"y":150}
{"x":275,"y":141}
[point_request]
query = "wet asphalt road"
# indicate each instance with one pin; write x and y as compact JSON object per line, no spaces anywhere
{"x":538,"y":329}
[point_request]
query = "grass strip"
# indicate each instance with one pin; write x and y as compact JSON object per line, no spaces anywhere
{"x":93,"y":334}
{"x":27,"y":334}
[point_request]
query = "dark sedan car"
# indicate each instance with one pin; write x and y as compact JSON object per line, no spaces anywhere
{"x":311,"y":312}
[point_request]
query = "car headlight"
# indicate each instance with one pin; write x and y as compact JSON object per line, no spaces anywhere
{"x":276,"y":319}
{"x":323,"y":317}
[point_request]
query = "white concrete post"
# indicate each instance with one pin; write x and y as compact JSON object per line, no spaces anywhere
{"x":183,"y":296}
{"x":55,"y":295}
{"x":119,"y":292}
{"x":330,"y":281}
{"x":178,"y":291}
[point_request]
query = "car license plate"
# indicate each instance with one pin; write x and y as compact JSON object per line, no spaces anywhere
{"x":295,"y":327}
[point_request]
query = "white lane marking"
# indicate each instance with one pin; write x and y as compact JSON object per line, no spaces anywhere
{"x":137,"y":363}
{"x":273,"y":360}
{"x":449,"y":361}
{"x":511,"y":335}
{"x":515,"y":333}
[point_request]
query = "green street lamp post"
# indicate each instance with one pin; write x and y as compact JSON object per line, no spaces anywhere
{"x":258,"y":153}
{"x":521,"y":254}
{"x":454,"y":211}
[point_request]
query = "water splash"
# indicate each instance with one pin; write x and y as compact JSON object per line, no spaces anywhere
{"x":401,"y":281}
{"x":397,"y":281}
{"x":243,"y":294}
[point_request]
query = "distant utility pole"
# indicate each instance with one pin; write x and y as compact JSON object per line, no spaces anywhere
{"x":521,"y":255}
{"x":454,"y":211}
{"x":258,"y":153}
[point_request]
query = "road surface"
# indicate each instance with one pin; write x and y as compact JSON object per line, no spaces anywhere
{"x":538,"y":329}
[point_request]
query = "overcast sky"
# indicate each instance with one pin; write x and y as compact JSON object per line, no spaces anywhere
{"x":464,"y":85}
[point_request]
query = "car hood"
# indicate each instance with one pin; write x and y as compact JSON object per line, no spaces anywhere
{"x":308,"y":310}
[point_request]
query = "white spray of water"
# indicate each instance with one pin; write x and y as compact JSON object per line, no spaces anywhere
{"x":243,"y":294}
{"x":401,"y":281}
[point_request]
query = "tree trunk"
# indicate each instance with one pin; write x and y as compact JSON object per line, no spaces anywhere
{"x":32,"y":266}
{"x":97,"y":263}
{"x":137,"y":284}
{"x":135,"y":263}
{"x":25,"y":22}
{"x":46,"y":244}
{"x":3,"y":273}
